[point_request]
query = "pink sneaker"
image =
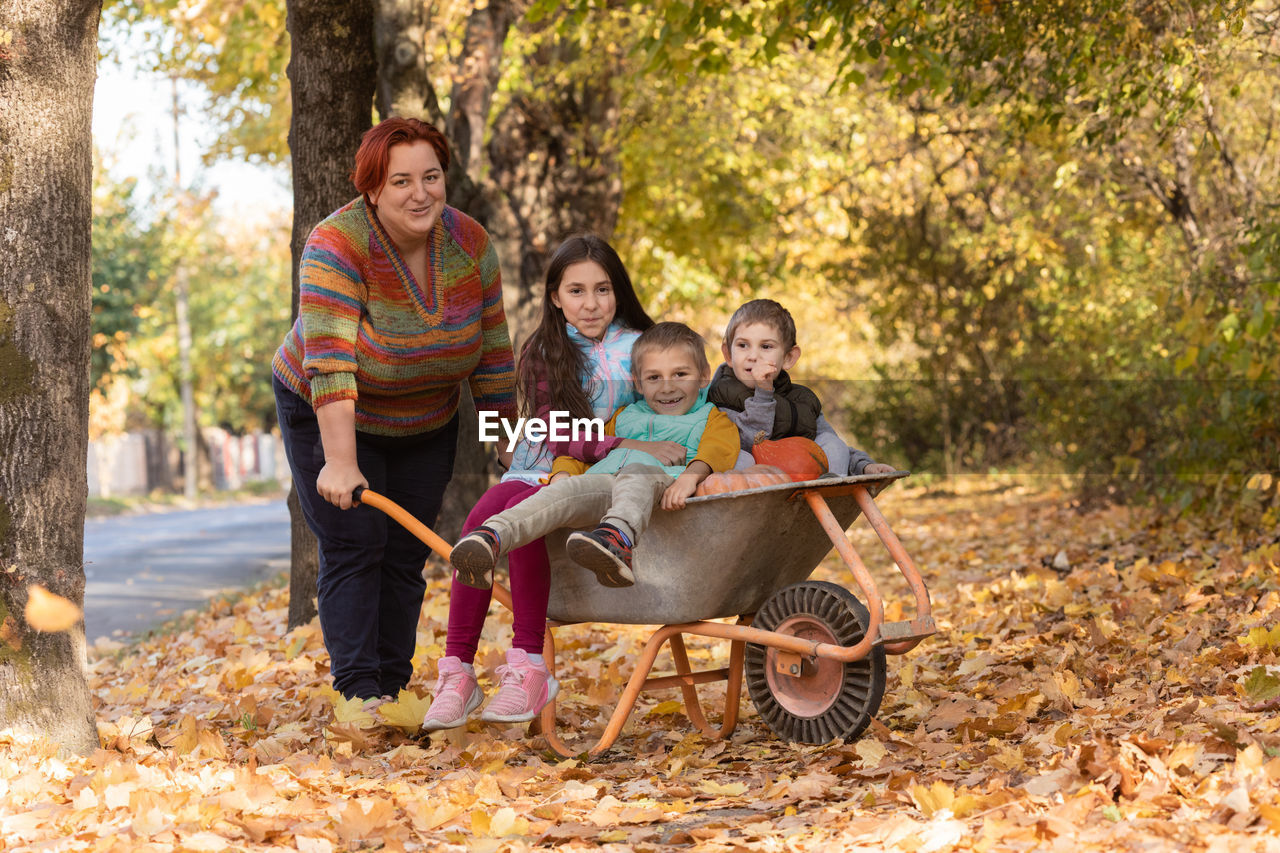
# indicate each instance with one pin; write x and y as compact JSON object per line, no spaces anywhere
{"x":456,"y":696}
{"x":523,"y":688}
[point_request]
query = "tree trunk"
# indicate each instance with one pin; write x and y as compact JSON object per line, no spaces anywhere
{"x":552,"y":167}
{"x":551,"y":157}
{"x":474,"y":85}
{"x":404,"y":88}
{"x":477,"y":81}
{"x":552,"y":173}
{"x":47,"y":71}
{"x":331,"y":76}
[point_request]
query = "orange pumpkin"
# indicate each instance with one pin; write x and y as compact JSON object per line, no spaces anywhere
{"x":743,"y":478}
{"x":801,"y":458}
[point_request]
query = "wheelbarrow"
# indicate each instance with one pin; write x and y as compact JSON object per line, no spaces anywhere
{"x":812,"y":655}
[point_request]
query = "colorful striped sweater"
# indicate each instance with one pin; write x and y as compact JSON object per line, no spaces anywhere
{"x":366,"y":331}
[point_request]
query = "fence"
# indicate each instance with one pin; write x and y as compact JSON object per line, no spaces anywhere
{"x":137,"y":463}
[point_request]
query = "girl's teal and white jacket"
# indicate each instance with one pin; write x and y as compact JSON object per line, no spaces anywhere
{"x":609,"y":387}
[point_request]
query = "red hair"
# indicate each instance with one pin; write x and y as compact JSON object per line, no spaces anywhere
{"x":375,"y":150}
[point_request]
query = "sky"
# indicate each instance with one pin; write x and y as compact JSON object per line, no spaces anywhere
{"x":133,"y":130}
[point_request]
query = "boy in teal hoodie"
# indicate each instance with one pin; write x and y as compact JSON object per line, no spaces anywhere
{"x":618,"y":494}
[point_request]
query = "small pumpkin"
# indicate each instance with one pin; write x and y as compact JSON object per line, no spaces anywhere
{"x":801,"y":458}
{"x":752,"y":477}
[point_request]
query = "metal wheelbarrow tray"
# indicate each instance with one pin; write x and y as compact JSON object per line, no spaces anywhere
{"x":812,"y":654}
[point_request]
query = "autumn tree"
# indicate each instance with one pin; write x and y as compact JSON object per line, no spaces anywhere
{"x":1053,"y":213}
{"x":1027,"y":211}
{"x":48,"y":55}
{"x":532,"y":165}
{"x":238,"y":274}
{"x":332,"y":72}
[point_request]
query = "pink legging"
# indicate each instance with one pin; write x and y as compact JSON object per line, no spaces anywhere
{"x":529,"y":573}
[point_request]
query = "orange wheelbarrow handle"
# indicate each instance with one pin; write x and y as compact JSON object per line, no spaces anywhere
{"x":428,"y":536}
{"x":361,"y":495}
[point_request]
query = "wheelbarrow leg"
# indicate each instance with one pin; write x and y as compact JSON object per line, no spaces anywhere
{"x":688,"y":687}
{"x":636,"y":684}
{"x":640,"y":681}
{"x":547,"y":719}
{"x":899,"y":637}
{"x":545,"y":724}
{"x":867,"y":584}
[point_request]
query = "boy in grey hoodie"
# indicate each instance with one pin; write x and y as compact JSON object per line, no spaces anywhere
{"x":752,"y":387}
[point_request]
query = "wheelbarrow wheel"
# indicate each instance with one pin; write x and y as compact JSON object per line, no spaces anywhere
{"x":827,"y":700}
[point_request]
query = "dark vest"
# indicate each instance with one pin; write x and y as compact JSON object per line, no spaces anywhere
{"x":796,"y":412}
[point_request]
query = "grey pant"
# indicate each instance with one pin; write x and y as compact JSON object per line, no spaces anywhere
{"x":625,"y":500}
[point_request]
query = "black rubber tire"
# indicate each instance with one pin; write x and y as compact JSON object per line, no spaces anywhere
{"x":852,"y":691}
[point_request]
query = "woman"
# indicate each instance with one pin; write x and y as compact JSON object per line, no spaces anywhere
{"x":401,"y":301}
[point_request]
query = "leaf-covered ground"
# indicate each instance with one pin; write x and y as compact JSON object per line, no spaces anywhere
{"x":1090,"y":686}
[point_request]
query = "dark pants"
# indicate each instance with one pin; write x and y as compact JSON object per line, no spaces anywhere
{"x":370,"y":585}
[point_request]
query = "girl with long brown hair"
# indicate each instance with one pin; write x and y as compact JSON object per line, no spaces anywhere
{"x":578,"y":361}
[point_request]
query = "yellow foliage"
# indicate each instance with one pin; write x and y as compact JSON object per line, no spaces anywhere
{"x":1022,"y":727}
{"x":933,"y":799}
{"x":1263,"y":638}
{"x":406,"y":712}
{"x":351,"y":711}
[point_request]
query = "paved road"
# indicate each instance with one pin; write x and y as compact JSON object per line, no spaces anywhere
{"x":142,"y":570}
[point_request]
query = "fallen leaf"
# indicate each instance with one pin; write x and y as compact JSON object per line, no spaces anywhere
{"x":426,"y":816}
{"x":1263,"y":638}
{"x":933,"y":799}
{"x":732,"y":789}
{"x":49,"y":612}
{"x":871,"y":751}
{"x":406,"y":712}
{"x":184,"y":738}
{"x":363,"y":818}
{"x":1261,"y":686}
{"x":812,"y":785}
{"x":351,"y":712}
{"x":352,"y":734}
{"x":1270,"y":814}
{"x":939,"y":833}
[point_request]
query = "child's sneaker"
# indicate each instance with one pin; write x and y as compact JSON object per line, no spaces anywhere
{"x":474,"y":557}
{"x":604,"y":551}
{"x":456,"y":696}
{"x":523,"y":688}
